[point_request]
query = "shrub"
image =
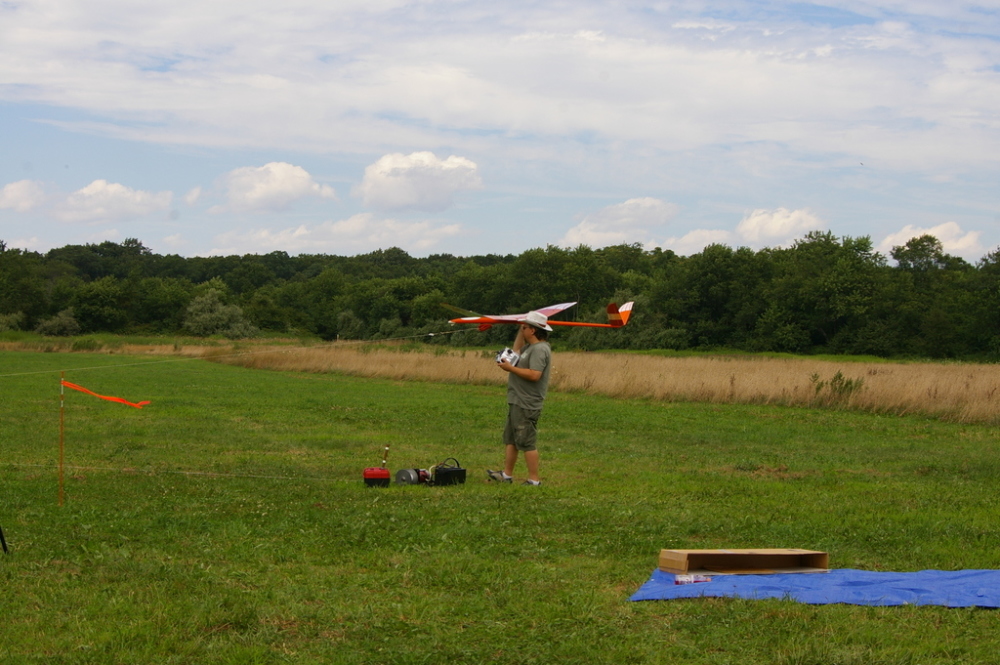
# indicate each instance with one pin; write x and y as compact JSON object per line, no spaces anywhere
{"x":349,"y":326}
{"x":63,"y":324}
{"x":208,"y":315}
{"x":11,"y":321}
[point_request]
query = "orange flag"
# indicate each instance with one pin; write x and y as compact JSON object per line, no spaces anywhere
{"x":137,"y":405}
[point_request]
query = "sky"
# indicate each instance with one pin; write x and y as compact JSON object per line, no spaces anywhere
{"x":469,"y":127}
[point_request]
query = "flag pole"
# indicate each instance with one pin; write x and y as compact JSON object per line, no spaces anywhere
{"x":62,"y":431}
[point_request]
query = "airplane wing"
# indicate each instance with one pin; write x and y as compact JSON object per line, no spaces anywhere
{"x":617,"y":317}
{"x":487,"y":321}
{"x":459,"y":310}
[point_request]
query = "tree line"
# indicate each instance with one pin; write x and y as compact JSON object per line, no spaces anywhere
{"x":822,"y":294}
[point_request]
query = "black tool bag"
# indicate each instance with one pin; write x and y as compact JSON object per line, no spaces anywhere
{"x":447,"y":473}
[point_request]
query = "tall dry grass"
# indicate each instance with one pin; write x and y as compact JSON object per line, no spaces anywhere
{"x":956,"y":392}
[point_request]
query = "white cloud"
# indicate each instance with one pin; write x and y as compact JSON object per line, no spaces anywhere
{"x":776,"y":226}
{"x":103,"y":235}
{"x":105,"y":201}
{"x":31,"y":244}
{"x":22,"y":196}
{"x":418,"y":181}
{"x":635,"y":220}
{"x":695,"y":241}
{"x":359,"y":233}
{"x":269,"y":188}
{"x":193,"y":196}
{"x":953,"y":240}
{"x":757,"y":228}
{"x":174,"y":241}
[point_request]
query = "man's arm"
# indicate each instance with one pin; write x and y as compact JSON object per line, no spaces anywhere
{"x":519,"y":341}
{"x":523,"y":372}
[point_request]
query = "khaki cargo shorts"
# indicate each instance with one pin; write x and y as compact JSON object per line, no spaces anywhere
{"x":521,"y":429}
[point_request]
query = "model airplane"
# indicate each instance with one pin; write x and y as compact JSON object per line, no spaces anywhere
{"x":617,"y":316}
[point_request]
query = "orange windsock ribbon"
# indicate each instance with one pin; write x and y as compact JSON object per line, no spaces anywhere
{"x":137,"y":405}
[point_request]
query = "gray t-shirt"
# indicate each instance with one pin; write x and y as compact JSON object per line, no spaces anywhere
{"x":531,"y":394}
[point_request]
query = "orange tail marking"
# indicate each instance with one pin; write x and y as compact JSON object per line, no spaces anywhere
{"x":618,"y":316}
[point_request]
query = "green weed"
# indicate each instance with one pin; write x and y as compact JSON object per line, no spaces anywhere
{"x":837,"y":389}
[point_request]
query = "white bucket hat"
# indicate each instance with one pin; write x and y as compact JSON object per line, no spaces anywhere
{"x":538,"y":320}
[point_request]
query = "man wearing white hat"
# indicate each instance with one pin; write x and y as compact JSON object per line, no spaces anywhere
{"x":527,"y":383}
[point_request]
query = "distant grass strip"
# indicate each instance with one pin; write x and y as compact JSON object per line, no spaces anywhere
{"x":967,"y":393}
{"x":955,"y":392}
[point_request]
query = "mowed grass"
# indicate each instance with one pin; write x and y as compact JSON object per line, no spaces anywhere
{"x":228,"y":522}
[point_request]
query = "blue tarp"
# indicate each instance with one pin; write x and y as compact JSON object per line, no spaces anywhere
{"x":960,"y":588}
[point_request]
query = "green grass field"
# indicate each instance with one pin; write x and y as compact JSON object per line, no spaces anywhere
{"x":228,"y":522}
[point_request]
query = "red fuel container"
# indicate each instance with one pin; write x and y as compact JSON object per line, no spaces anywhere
{"x":377,"y":476}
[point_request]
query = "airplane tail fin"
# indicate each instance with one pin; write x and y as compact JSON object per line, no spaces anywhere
{"x":618,"y":316}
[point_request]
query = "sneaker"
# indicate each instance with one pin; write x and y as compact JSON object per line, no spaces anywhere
{"x":528,"y":482}
{"x":498,"y":476}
